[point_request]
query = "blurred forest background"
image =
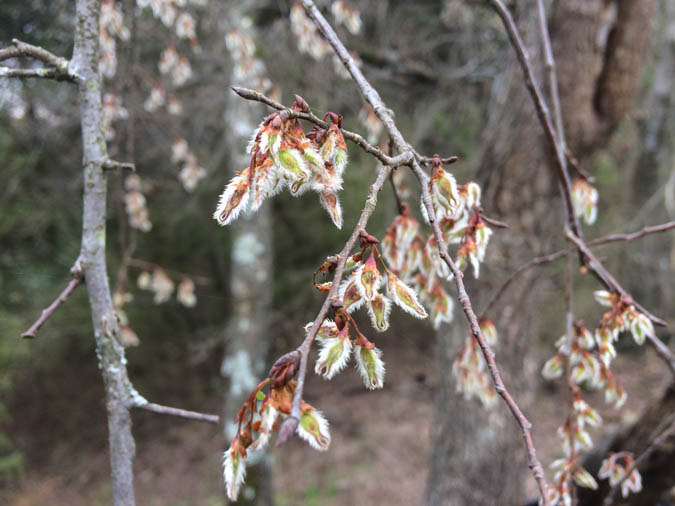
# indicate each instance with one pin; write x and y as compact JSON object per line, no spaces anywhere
{"x":445,"y":67}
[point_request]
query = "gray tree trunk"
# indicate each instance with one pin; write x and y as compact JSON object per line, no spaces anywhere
{"x":248,"y":331}
{"x":118,"y":390}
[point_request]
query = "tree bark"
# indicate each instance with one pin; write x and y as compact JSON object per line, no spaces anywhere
{"x":248,"y":332}
{"x":477,"y":458}
{"x":112,"y":362}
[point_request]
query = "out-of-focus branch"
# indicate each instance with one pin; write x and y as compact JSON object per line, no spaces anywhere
{"x":552,"y":78}
{"x":552,"y":257}
{"x":58,"y":66}
{"x":542,"y":113}
{"x":608,"y":279}
{"x":654,"y":229}
{"x":386,"y":116}
{"x":110,"y":164}
{"x":76,"y":273}
{"x":182,"y":413}
{"x":520,"y":270}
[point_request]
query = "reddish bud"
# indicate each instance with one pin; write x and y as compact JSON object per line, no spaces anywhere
{"x":284,"y":369}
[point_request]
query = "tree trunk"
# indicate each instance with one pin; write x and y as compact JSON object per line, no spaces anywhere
{"x":92,"y":259}
{"x":248,"y":332}
{"x":477,"y":455}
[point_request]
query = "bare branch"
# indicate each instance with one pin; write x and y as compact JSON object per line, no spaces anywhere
{"x":654,"y":229}
{"x":552,"y":257}
{"x":520,"y":270}
{"x":110,"y":164}
{"x":77,"y":277}
{"x":59,"y":66}
{"x":182,"y":413}
{"x":552,"y":78}
{"x":386,"y":116}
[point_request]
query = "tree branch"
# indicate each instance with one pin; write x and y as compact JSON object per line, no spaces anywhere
{"x":386,"y":116}
{"x":76,"y":273}
{"x":59,"y":66}
{"x":182,"y":413}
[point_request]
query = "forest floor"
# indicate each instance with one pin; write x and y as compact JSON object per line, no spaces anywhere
{"x":378,"y":456}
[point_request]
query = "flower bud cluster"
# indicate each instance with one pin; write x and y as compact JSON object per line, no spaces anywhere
{"x":262,"y":414}
{"x":175,"y":65}
{"x":134,"y":200}
{"x":416,"y":258}
{"x":568,"y":470}
{"x":362,"y":288}
{"x":585,"y":200}
{"x":247,"y":69}
{"x":615,"y":467}
{"x":192,"y":172}
{"x":587,"y":357}
{"x":161,"y":284}
{"x":470,"y":369}
{"x":111,"y":27}
{"x":283,"y":156}
{"x":113,"y":110}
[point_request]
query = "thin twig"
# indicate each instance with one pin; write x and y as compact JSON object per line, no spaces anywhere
{"x":182,"y":413}
{"x":670,"y":426}
{"x":520,"y":270}
{"x":492,"y":221}
{"x":49,"y":310}
{"x":290,"y":424}
{"x":552,"y":257}
{"x":386,"y":116}
{"x":110,"y":164}
{"x":655,"y":229}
